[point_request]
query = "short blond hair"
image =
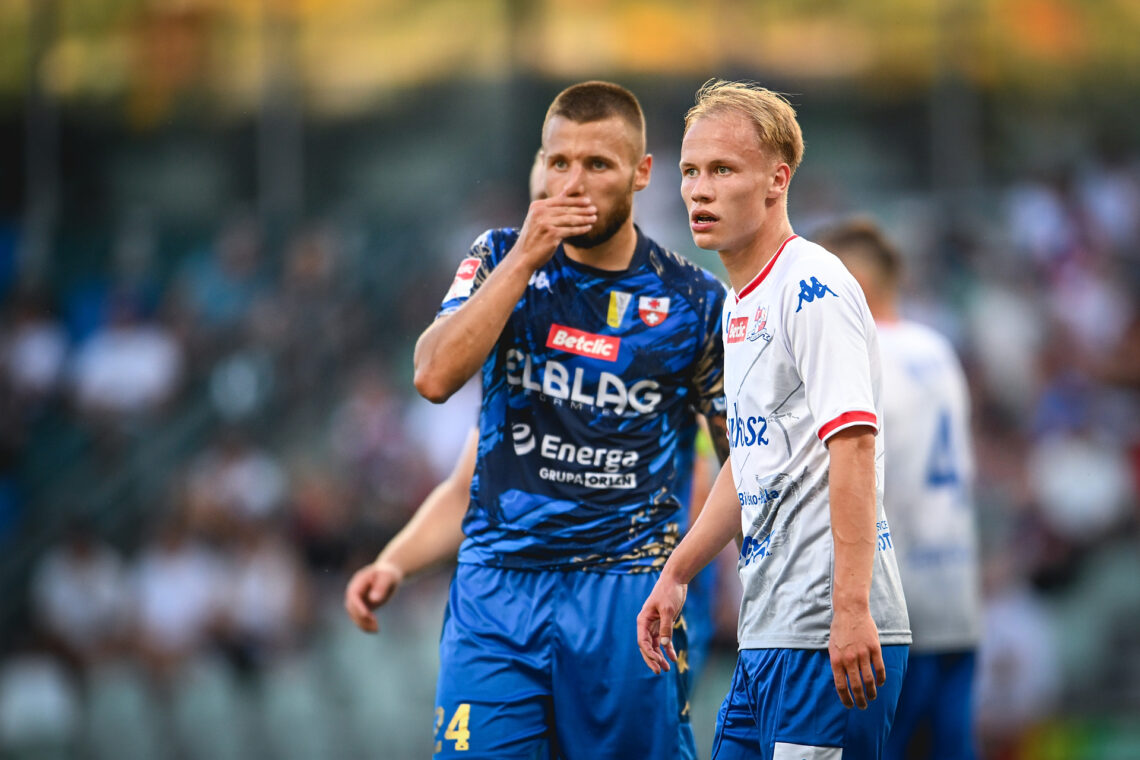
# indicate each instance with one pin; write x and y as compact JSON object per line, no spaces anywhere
{"x":770,"y":112}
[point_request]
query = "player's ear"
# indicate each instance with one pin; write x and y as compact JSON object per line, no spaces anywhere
{"x":642,"y":172}
{"x":781,"y":177}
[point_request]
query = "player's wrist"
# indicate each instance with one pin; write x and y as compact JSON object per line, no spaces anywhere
{"x":386,"y":565}
{"x":672,"y":573}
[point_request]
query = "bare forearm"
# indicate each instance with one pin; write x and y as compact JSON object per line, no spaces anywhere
{"x":852,"y":497}
{"x":718,"y":522}
{"x":451,"y":350}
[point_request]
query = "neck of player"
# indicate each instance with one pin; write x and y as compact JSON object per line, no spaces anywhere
{"x":613,"y":255}
{"x":744,"y":263}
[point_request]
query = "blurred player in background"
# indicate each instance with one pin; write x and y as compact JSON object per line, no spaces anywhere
{"x":597,"y":349}
{"x":823,"y":624}
{"x":929,"y":477}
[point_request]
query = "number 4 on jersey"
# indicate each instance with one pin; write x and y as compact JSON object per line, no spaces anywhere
{"x":941,"y":469}
{"x":457,"y":729}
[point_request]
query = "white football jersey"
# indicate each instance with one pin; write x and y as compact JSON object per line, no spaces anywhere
{"x":930,"y":471}
{"x":801,"y":363}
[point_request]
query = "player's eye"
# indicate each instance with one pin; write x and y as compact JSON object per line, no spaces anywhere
{"x":723,"y":170}
{"x":560,"y":163}
{"x":598,"y":164}
{"x":689,"y":172}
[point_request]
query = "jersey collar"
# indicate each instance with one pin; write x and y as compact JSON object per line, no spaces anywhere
{"x":763,"y":272}
{"x":640,"y":258}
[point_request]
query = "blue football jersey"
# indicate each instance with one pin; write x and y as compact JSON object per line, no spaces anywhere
{"x":589,"y":400}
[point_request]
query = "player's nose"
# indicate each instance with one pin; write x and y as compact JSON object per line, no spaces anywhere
{"x":699,"y":189}
{"x":576,"y":181}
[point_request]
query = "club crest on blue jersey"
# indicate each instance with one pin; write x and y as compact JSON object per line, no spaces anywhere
{"x":652,"y":310}
{"x":811,"y":291}
{"x":758,"y":323}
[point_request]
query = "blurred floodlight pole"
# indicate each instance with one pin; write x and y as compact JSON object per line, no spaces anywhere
{"x":280,"y":129}
{"x":41,"y":148}
{"x":955,"y":123}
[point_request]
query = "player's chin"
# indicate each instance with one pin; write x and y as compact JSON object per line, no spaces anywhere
{"x":705,"y":241}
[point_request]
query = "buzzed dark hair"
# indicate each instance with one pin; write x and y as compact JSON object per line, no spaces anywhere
{"x":596,"y":100}
{"x":861,"y":237}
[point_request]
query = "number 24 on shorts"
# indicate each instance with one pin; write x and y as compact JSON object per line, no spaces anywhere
{"x":456,"y":729}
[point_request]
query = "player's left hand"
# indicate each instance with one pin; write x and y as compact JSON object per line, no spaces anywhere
{"x":856,"y":658}
{"x":655,"y":623}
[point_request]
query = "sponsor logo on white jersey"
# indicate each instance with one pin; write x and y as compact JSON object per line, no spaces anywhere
{"x":746,"y":431}
{"x":737,"y":328}
{"x":605,"y":391}
{"x":604,"y":347}
{"x":652,"y":310}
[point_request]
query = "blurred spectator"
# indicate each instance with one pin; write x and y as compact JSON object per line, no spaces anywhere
{"x":216,"y":288}
{"x":1017,"y":680}
{"x":233,"y":480}
{"x":312,"y":321}
{"x":128,"y":367}
{"x":34,"y":349}
{"x":324,"y":520}
{"x":374,"y":440}
{"x":267,"y":600}
{"x":178,"y":587}
{"x":80,"y":597}
{"x":39,"y":707}
{"x":1082,"y":484}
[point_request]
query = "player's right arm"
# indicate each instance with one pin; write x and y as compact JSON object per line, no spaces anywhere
{"x":717,"y":524}
{"x":451,"y":350}
{"x":432,"y":535}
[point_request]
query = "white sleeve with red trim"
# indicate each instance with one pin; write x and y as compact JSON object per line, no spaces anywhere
{"x":832,"y":339}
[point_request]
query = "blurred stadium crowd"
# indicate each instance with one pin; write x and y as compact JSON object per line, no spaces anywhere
{"x":194,"y":454}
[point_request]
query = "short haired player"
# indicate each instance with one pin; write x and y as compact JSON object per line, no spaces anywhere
{"x":596,"y":349}
{"x":929,"y":469}
{"x":823,"y":625}
{"x":435,"y":532}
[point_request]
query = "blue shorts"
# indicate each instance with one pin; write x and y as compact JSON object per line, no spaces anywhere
{"x":782,"y":705}
{"x":937,"y":697}
{"x":544,"y":665}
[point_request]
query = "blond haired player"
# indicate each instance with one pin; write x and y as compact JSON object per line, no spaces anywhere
{"x":823,"y":625}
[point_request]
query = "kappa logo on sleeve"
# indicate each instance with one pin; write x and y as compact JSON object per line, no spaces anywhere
{"x":811,"y":291}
